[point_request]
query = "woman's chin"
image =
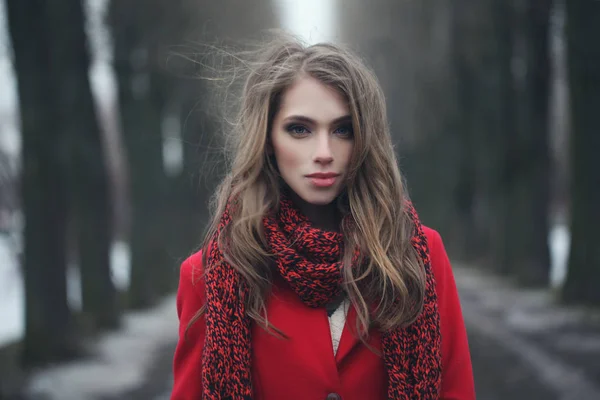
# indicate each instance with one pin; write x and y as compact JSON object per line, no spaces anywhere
{"x":319,"y":199}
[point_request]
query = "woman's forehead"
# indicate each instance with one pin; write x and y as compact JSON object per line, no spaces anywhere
{"x":310,"y":98}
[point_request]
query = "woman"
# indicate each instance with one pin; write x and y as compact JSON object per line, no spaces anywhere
{"x":316,"y":279}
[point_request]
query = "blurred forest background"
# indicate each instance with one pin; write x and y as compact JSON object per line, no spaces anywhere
{"x":110,"y":151}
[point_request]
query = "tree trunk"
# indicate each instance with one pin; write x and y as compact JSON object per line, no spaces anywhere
{"x":583,"y":53}
{"x":526,"y":176}
{"x":462,"y":200}
{"x":478,"y":52}
{"x":141,"y":104}
{"x":87,"y":169}
{"x":503,"y":20}
{"x":141,"y":124}
{"x":438,"y":141}
{"x":49,"y":331}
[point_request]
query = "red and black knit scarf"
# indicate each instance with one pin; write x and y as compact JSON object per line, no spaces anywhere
{"x":309,"y":261}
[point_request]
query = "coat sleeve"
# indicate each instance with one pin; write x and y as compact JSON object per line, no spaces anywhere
{"x":187,"y":360}
{"x":457,"y":371}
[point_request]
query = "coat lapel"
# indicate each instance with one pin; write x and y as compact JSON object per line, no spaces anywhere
{"x":349,"y":339}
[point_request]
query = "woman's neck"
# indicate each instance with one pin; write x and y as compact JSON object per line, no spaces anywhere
{"x":326,"y":217}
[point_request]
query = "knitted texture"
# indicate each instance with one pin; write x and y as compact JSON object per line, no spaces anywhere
{"x":309,"y":260}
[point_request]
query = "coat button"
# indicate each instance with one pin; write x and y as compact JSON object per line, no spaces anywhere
{"x":334,"y":396}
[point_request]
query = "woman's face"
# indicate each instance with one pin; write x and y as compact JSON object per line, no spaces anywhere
{"x":312,"y":140}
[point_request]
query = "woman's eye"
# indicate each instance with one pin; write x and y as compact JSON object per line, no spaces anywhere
{"x":344,"y":131}
{"x":297,"y":129}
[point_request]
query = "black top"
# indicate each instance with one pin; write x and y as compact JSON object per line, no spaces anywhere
{"x":335,"y":304}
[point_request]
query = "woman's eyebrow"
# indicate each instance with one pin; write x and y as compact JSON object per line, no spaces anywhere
{"x":302,"y":118}
{"x":344,"y":118}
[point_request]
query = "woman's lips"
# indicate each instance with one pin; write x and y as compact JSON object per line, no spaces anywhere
{"x":321,"y":179}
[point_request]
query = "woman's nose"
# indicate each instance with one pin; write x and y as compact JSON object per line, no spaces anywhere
{"x":323,"y":152}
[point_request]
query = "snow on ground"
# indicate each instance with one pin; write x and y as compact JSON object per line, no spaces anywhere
{"x":122,"y":360}
{"x":12,"y":296}
{"x":12,"y":303}
{"x":559,"y":242}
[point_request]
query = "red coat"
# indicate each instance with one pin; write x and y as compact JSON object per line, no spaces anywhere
{"x":305,"y":367}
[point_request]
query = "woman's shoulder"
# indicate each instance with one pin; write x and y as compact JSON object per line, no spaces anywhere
{"x":440,"y":264}
{"x":191,"y":274}
{"x":434,"y":239}
{"x":193,"y":262}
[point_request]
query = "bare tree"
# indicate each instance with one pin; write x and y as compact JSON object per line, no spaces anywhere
{"x":141,"y":107}
{"x":64,"y":175}
{"x":49,"y":330}
{"x":525,"y":180}
{"x":583,"y":61}
{"x":88,"y":174}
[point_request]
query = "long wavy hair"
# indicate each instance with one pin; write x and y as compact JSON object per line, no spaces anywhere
{"x":388,"y":287}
